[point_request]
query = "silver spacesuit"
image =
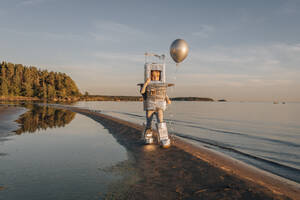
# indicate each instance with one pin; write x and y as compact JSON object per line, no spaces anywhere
{"x":155,"y":101}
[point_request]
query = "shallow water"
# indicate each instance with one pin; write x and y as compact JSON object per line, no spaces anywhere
{"x":262,"y":134}
{"x":7,"y":120}
{"x":58,"y":154}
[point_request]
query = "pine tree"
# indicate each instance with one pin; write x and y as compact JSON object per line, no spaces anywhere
{"x":3,"y":87}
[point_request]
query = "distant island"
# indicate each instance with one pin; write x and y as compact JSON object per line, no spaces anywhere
{"x":18,"y":82}
{"x":191,"y":99}
{"x":222,"y":100}
{"x":87,"y":97}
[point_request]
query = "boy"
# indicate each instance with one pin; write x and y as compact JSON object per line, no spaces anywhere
{"x":155,"y":99}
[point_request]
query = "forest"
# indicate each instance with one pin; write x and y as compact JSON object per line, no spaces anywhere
{"x":21,"y":81}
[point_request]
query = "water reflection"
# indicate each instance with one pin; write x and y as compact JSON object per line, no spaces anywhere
{"x":59,"y":162}
{"x":42,"y":117}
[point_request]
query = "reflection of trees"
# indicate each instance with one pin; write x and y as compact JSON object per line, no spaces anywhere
{"x":42,"y":117}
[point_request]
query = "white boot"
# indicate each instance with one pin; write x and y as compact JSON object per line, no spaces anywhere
{"x":148,"y":136}
{"x":163,"y":136}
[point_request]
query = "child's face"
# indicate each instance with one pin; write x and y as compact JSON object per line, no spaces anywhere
{"x":155,"y":75}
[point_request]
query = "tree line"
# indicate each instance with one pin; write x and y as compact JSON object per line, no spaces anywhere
{"x":19,"y":80}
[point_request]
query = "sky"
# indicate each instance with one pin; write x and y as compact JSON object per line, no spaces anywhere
{"x":238,"y":50}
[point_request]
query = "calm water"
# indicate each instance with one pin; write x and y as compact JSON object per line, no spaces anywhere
{"x":58,"y":154}
{"x":262,"y":134}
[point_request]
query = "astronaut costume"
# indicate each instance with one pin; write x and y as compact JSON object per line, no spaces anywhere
{"x":155,"y":97}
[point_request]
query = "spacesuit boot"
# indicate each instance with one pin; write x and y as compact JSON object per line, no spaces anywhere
{"x":163,"y":136}
{"x":148,"y":136}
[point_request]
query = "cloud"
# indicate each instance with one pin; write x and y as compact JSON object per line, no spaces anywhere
{"x":116,"y":27}
{"x":239,"y":80}
{"x":119,"y":57}
{"x":254,"y":59}
{"x":31,"y":2}
{"x":289,"y":8}
{"x":44,"y":34}
{"x":276,"y":65}
{"x":204,"y":31}
{"x":105,"y":30}
{"x":104,"y":37}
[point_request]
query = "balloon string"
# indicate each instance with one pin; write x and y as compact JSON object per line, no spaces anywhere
{"x":177,"y":68}
{"x":171,"y":112}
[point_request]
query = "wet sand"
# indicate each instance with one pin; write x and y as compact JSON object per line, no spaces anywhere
{"x":188,"y":172}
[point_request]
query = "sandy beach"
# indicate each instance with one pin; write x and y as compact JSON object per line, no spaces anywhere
{"x":182,"y":171}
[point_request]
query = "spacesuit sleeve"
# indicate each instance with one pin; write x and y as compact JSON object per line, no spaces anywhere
{"x":167,"y":98}
{"x":143,"y":89}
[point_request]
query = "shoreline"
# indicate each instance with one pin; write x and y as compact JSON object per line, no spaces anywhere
{"x":252,"y":175}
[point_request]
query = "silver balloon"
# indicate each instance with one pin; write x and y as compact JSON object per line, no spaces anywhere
{"x":179,"y":50}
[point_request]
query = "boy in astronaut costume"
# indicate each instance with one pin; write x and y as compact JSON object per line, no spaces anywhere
{"x":155,"y":100}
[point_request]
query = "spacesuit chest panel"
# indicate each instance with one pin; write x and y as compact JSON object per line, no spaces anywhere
{"x":156,"y":96}
{"x":156,"y":91}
